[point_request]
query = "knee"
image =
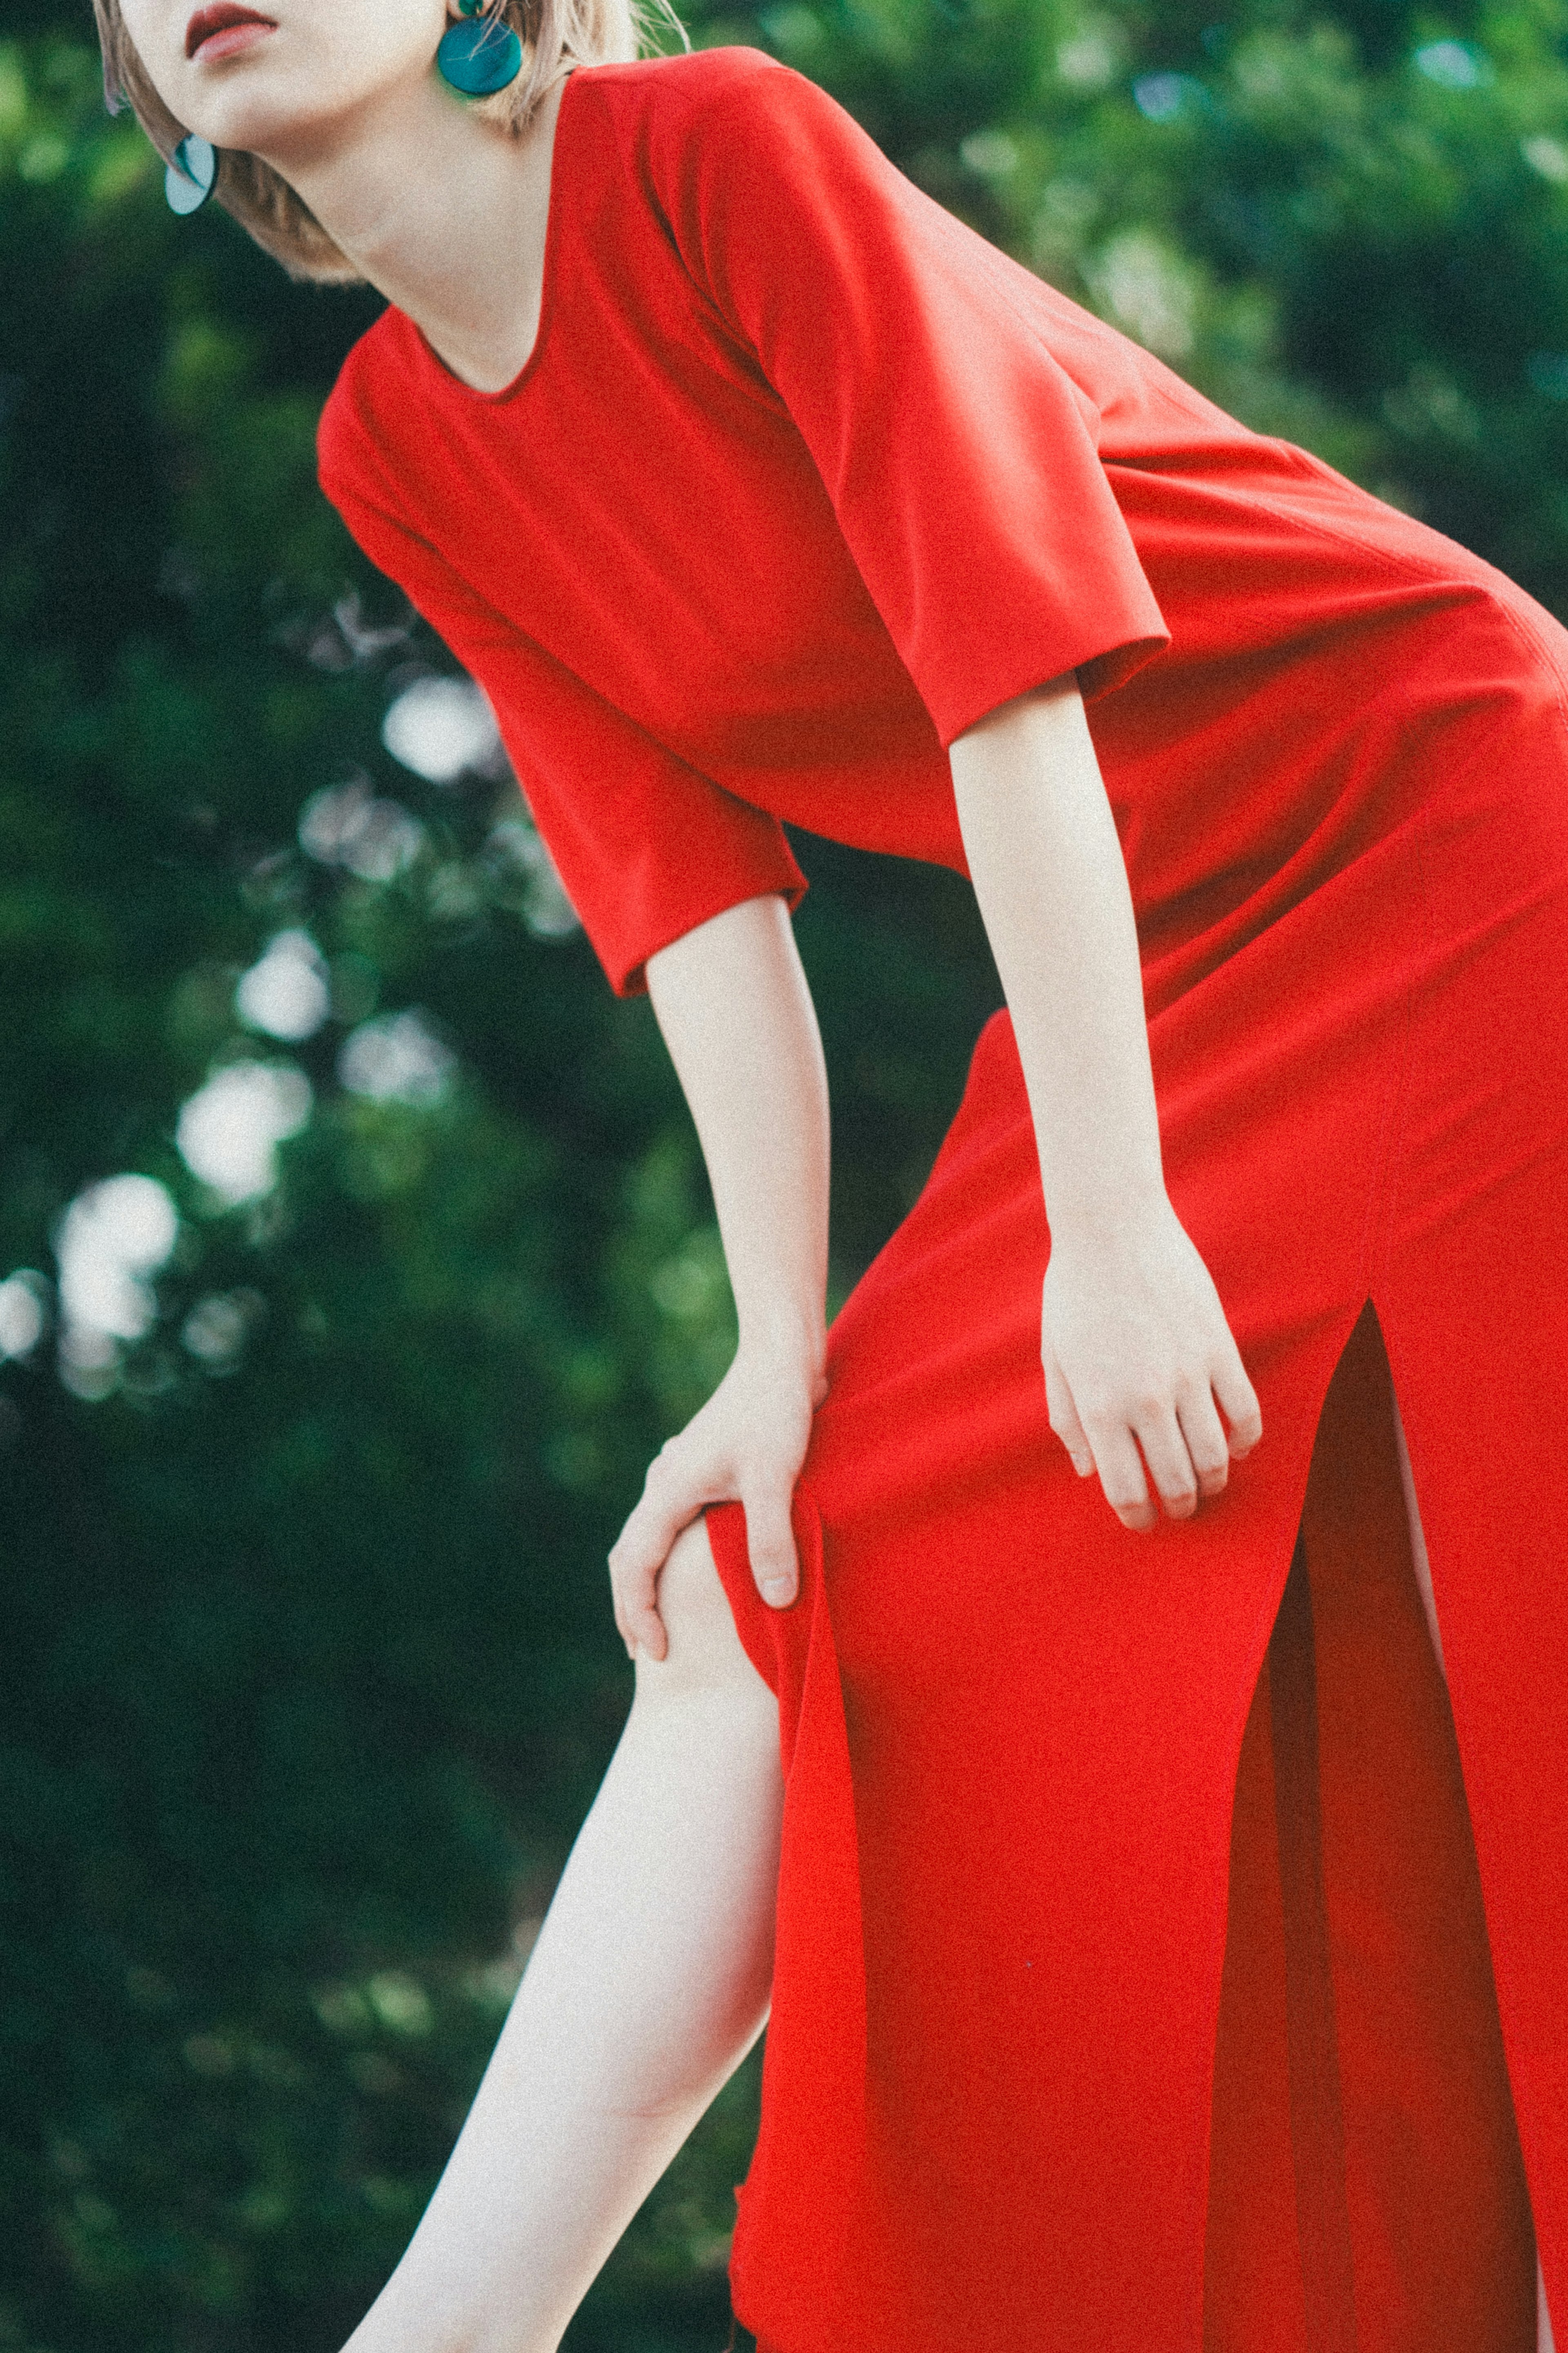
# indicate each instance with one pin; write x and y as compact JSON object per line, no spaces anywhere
{"x":705,"y":1654}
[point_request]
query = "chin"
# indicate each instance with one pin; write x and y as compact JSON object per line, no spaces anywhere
{"x":256,"y":111}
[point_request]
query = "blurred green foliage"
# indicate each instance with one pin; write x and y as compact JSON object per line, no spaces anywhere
{"x":307,"y":1672}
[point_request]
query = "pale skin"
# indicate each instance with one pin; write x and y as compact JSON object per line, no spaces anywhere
{"x":651,"y":1977}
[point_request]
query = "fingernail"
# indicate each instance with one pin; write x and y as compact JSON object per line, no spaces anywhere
{"x":778,"y":1589}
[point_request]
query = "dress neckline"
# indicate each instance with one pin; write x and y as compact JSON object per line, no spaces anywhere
{"x":455,"y":385}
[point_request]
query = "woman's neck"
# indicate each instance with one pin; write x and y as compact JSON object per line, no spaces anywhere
{"x":445,"y":214}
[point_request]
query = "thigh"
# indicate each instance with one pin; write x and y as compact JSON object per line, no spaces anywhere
{"x":705,"y":1651}
{"x":1419,"y":1558}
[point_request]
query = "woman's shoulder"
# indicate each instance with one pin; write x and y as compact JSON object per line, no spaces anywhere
{"x":690,"y":82}
{"x":729,"y":146}
{"x":701,"y":101}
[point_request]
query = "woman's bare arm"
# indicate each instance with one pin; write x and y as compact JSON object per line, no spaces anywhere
{"x":732,"y":1002}
{"x":1136,"y":1349}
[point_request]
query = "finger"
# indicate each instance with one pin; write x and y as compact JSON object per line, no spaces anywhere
{"x":1205,"y":1440}
{"x":638,"y":1555}
{"x":770,"y":1539}
{"x":1170,"y":1464}
{"x":1121,"y":1469}
{"x":634,"y":1587}
{"x":1239,"y":1403}
{"x":665,"y":1506}
{"x":1063,"y":1415}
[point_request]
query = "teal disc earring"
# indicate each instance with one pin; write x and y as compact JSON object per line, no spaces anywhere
{"x":191,"y":174}
{"x":478,"y":55}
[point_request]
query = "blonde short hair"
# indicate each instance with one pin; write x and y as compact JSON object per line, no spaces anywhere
{"x":555,"y":35}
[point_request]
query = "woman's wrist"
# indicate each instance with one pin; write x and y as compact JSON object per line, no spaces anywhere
{"x":1101,"y":1221}
{"x":784,"y":1333}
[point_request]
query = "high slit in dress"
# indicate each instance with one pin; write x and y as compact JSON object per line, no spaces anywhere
{"x":1161,"y":1963}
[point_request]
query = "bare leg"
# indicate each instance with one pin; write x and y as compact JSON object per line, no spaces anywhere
{"x":1428,"y":1602}
{"x":648,"y":1984}
{"x":1418,"y":1541}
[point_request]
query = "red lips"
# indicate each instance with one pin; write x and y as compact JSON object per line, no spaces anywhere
{"x":221,"y":16}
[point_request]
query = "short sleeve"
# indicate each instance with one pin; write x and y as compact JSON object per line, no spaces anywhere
{"x":960,"y":456}
{"x":646,"y":848}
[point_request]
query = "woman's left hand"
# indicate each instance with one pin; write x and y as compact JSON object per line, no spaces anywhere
{"x":1140,"y":1365}
{"x":746,"y":1445}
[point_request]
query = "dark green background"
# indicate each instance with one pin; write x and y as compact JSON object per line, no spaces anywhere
{"x":308,"y":1667}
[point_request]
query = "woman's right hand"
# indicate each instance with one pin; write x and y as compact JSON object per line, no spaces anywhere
{"x":746,"y":1445}
{"x":1140,"y":1366}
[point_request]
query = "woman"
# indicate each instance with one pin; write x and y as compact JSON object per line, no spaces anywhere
{"x":1129,"y":1990}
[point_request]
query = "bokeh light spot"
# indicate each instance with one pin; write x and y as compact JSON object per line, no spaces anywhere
{"x":286,"y":992}
{"x":440,"y":728}
{"x":346,"y":825}
{"x":230,"y":1130}
{"x":23,"y":1313}
{"x":396,"y":1059}
{"x":1453,"y":65}
{"x":112,"y":1237}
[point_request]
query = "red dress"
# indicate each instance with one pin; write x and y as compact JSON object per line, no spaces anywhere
{"x":801,"y":480}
